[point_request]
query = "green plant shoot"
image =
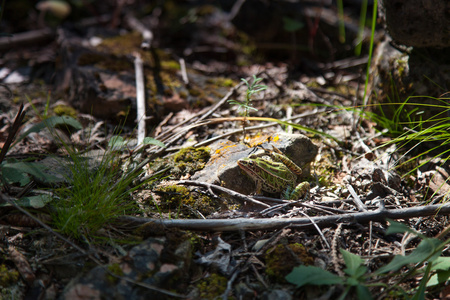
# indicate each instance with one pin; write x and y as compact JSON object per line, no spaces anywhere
{"x":253,"y":87}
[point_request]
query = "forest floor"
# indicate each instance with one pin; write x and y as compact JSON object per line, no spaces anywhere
{"x":89,"y":210}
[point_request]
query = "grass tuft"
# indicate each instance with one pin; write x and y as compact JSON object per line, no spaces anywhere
{"x":97,"y":193}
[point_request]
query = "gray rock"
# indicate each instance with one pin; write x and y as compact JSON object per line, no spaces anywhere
{"x":222,"y":169}
{"x":417,"y":23}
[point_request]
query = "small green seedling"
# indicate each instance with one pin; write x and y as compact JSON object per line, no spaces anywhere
{"x":252,"y":88}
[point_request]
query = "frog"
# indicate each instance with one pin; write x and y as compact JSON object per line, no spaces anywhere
{"x":274,"y":172}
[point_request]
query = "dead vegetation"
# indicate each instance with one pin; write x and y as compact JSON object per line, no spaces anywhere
{"x":91,"y":209}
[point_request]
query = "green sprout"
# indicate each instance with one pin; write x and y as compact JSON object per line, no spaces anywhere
{"x":252,"y":88}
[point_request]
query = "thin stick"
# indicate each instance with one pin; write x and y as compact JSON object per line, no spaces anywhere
{"x":12,"y":133}
{"x":379,"y":215}
{"x":140,"y":98}
{"x":183,"y":71}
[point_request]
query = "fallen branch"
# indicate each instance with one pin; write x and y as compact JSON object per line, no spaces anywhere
{"x":378,"y":215}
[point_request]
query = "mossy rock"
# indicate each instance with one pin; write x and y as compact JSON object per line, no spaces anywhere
{"x":281,"y":259}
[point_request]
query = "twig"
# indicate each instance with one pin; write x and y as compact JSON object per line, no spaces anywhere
{"x":140,"y":98}
{"x":12,"y":133}
{"x":147,"y":35}
{"x":317,"y":228}
{"x":26,"y":38}
{"x":257,"y":127}
{"x":183,"y":71}
{"x":379,"y":215}
{"x":356,"y":199}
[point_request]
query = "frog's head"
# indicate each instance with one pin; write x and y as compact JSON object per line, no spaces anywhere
{"x":263,"y":167}
{"x":250,"y":166}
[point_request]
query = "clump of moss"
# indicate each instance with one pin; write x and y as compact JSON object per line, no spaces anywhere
{"x":116,"y":270}
{"x":212,"y":287}
{"x":64,"y":110}
{"x":222,"y":81}
{"x":170,"y":65}
{"x":8,"y":277}
{"x":280,"y":260}
{"x":191,"y":154}
{"x":186,"y":161}
{"x":180,"y":198}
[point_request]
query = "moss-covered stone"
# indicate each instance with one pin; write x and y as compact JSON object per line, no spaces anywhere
{"x":181,"y":201}
{"x":212,"y":287}
{"x":281,"y":259}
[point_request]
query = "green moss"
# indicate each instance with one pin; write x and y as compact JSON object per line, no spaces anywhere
{"x":172,"y":196}
{"x":182,"y":201}
{"x":7,"y":277}
{"x":212,"y":287}
{"x":170,"y":65}
{"x":191,"y":154}
{"x":280,"y":260}
{"x":64,"y":110}
{"x":116,"y":270}
{"x":222,"y":81}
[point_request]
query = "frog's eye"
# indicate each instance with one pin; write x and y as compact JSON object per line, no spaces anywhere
{"x":250,"y":162}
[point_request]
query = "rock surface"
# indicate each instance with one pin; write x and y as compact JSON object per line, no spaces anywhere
{"x":222,"y":169}
{"x":418,"y":23}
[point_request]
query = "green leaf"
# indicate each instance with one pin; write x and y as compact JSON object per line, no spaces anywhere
{"x":397,"y":227}
{"x":14,"y":176}
{"x":438,"y":278}
{"x":245,"y":81}
{"x":441,"y":263}
{"x":352,"y":262}
{"x":292,"y":25}
{"x":152,"y":141}
{"x":16,"y":172}
{"x":363,"y":292}
{"x":51,"y":123}
{"x":420,"y":292}
{"x":116,"y":142}
{"x":304,"y":275}
{"x":38,"y":201}
{"x":428,"y":248}
{"x":442,"y":266}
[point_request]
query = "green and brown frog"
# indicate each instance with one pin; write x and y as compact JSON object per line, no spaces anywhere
{"x":273,"y":172}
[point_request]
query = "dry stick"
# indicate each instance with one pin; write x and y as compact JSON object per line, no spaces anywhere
{"x":203,"y":115}
{"x":183,"y":71}
{"x":317,"y":228}
{"x":147,"y":35}
{"x":140,"y":98}
{"x":12,"y":133}
{"x":175,"y":136}
{"x":361,"y":206}
{"x":257,"y":127}
{"x":379,"y":215}
{"x":26,"y":38}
